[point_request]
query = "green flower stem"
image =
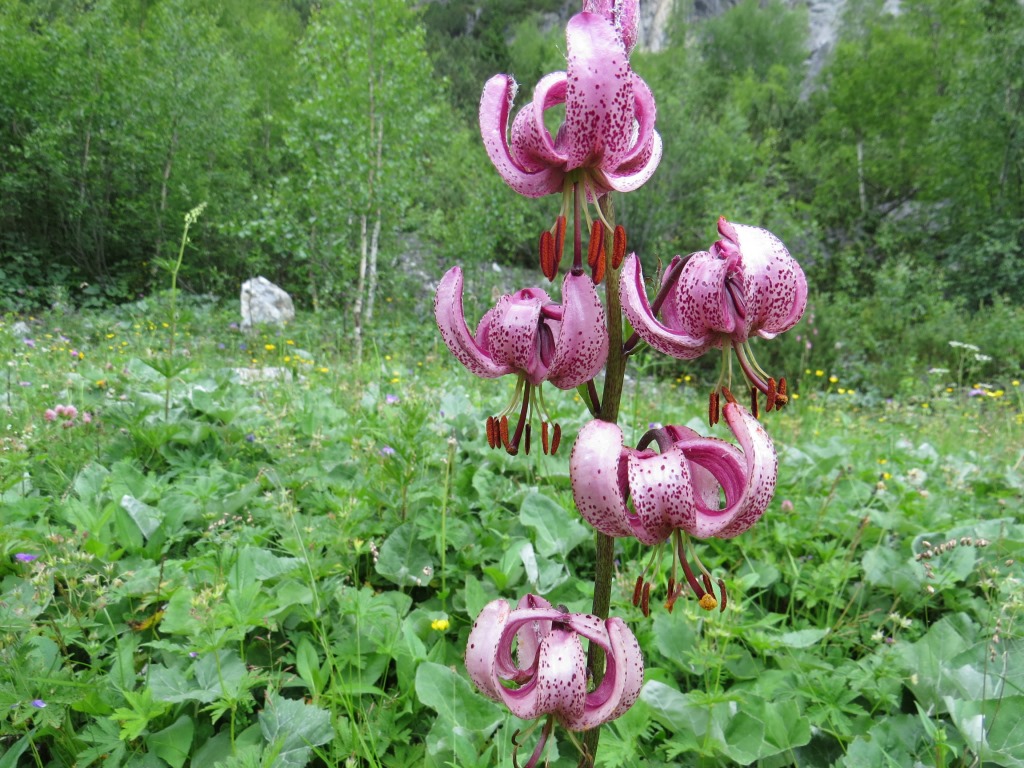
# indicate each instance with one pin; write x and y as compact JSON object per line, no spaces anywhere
{"x":615,"y":371}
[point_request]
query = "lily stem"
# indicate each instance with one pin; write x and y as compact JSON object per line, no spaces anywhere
{"x":609,"y":411}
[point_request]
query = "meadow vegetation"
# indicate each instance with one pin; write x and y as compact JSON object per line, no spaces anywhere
{"x":239,"y":549}
{"x":283,"y":572}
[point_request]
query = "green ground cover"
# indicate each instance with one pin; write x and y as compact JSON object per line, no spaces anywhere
{"x":205,"y":567}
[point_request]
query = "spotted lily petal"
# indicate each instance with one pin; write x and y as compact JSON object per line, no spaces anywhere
{"x":665,"y":338}
{"x":624,"y":670}
{"x":549,"y":675}
{"x":482,"y":647}
{"x":451,"y":321}
{"x":513,"y":330}
{"x":495,"y":104}
{"x":582,"y":345}
{"x":624,"y":14}
{"x":746,"y":284}
{"x":599,"y":106}
{"x":677,"y":488}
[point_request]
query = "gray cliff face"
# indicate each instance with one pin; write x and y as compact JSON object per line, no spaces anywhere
{"x":823,"y":18}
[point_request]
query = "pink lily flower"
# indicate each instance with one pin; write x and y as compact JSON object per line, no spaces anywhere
{"x":548,"y":675}
{"x":528,"y":334}
{"x":675,"y":491}
{"x":746,"y":285}
{"x":677,"y":488}
{"x":607,"y":140}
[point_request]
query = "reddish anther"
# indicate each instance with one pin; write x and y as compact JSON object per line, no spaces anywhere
{"x":556,"y":439}
{"x":503,"y":433}
{"x":714,"y":410}
{"x":493,"y":437}
{"x":596,"y":258}
{"x":526,"y":439}
{"x":548,"y":257}
{"x":709,"y":588}
{"x":728,"y":395}
{"x":724,"y":594}
{"x":754,"y":409}
{"x":638,"y":589}
{"x":618,"y":246}
{"x":772,"y":394}
{"x":645,"y":600}
{"x":544,"y":444}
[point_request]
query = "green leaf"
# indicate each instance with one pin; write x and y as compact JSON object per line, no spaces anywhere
{"x":174,"y":743}
{"x":146,"y":517}
{"x":802,"y":638}
{"x":993,"y":728}
{"x":404,"y":560}
{"x":291,"y":728}
{"x":9,"y":759}
{"x":454,"y":699}
{"x":557,"y":530}
{"x":172,"y":685}
{"x":219,"y":674}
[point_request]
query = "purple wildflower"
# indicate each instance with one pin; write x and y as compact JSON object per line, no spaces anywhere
{"x":25,"y":557}
{"x":391,"y":399}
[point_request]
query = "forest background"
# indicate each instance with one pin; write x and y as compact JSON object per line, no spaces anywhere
{"x":328,"y":138}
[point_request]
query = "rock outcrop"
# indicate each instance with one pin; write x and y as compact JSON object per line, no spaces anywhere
{"x":264,"y":302}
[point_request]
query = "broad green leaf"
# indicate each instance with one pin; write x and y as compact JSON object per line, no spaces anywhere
{"x":993,"y":728}
{"x":219,"y":674}
{"x":454,"y":699}
{"x":172,"y":685}
{"x":174,"y":743}
{"x":146,"y":517}
{"x":291,"y":728}
{"x":802,"y":638}
{"x":557,"y":530}
{"x":404,"y":560}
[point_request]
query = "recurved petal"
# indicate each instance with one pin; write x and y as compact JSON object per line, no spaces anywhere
{"x":762,"y":469}
{"x":530,"y":634}
{"x":532,"y":144}
{"x":661,"y":489}
{"x":599,"y":98}
{"x":625,"y":14}
{"x":512,"y":334}
{"x":715,"y":466}
{"x":451,"y":321}
{"x":644,"y":152}
{"x":560,"y":684}
{"x":482,"y":646}
{"x":624,"y":671}
{"x":495,"y":105}
{"x":701,"y":304}
{"x":581,"y":348}
{"x":776,"y":287}
{"x":665,"y":339}
{"x":598,"y":478}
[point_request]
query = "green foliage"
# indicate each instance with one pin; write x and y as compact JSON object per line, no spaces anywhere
{"x":283,"y":572}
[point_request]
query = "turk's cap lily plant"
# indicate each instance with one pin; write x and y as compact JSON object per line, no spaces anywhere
{"x":608,"y":139}
{"x":547,"y":675}
{"x":677,"y":488}
{"x":745,"y":285}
